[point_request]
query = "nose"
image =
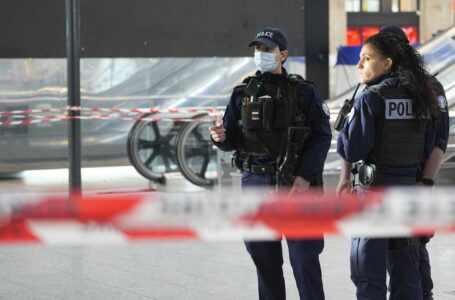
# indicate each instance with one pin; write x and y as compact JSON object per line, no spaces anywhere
{"x":360,"y":64}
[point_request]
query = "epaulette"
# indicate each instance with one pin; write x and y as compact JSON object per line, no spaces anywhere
{"x":239,"y":87}
{"x":247,"y":79}
{"x":295,"y":78}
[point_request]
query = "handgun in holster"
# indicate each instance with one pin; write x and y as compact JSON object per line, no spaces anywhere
{"x":238,"y":159}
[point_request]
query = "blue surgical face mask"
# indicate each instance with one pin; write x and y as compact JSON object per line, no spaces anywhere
{"x":265,"y":61}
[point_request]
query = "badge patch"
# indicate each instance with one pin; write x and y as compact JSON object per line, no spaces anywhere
{"x":351,"y":115}
{"x":398,"y":109}
{"x":442,"y":102}
{"x":325,"y":108}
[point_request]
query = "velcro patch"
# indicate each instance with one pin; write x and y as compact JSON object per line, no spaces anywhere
{"x":326,"y":110}
{"x":398,"y":109}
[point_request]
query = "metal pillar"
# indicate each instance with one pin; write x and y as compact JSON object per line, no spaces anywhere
{"x":316,"y":28}
{"x":74,"y":99}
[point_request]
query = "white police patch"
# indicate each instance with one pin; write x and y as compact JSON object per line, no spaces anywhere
{"x":325,"y":108}
{"x":265,"y":33}
{"x":398,"y":109}
{"x":351,"y":115}
{"x":442,"y":102}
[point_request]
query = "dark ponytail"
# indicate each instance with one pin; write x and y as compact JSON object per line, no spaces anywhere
{"x":411,"y":72}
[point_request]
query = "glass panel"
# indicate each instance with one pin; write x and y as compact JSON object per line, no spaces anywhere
{"x":408,"y":5}
{"x":370,"y":5}
{"x":368,"y":31}
{"x":395,"y":5}
{"x":353,"y":5}
{"x":353,"y":36}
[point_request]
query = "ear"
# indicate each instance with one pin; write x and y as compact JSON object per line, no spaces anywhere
{"x":284,"y":55}
{"x":388,"y":64}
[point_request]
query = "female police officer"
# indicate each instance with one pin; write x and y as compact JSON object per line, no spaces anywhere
{"x":257,"y":121}
{"x":387,"y":130}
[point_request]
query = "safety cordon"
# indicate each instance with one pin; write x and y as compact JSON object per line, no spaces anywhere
{"x":48,"y":119}
{"x":34,"y":116}
{"x":55,"y":219}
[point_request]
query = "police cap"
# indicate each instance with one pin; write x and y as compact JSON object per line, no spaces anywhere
{"x":271,"y":37}
{"x":396,"y":31}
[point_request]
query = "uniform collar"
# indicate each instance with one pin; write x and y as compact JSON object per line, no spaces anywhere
{"x":381,"y":79}
{"x":272,"y":78}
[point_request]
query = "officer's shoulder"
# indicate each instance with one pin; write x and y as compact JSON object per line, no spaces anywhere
{"x":298,"y":79}
{"x":438,"y":87}
{"x":241,"y":87}
{"x":375,"y":91}
{"x":301,"y":82}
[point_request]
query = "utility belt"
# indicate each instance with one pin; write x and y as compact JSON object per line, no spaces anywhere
{"x":243,"y":162}
{"x":367,"y":175}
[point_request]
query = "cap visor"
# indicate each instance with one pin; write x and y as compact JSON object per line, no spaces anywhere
{"x":266,"y":42}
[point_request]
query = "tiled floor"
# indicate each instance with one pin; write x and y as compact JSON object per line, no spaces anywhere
{"x":167,"y":270}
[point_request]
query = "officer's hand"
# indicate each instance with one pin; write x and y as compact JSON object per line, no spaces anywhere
{"x":218,"y":133}
{"x":344,"y":188}
{"x":300,"y":186}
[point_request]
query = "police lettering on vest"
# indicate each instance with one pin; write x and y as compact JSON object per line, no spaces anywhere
{"x":400,"y":109}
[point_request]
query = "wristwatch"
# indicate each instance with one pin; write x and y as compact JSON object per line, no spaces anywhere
{"x":427,"y":181}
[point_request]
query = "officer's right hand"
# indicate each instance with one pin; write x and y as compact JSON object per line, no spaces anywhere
{"x":218,"y":133}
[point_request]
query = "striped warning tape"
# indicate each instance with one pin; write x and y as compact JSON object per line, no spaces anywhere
{"x":153,"y":110}
{"x":27,"y":117}
{"x":55,"y":219}
{"x":47,"y":119}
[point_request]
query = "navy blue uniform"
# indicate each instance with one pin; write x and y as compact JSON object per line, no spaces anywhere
{"x":304,"y":254}
{"x":440,"y":141}
{"x":371,"y":257}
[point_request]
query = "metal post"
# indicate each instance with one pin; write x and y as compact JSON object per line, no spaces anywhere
{"x":316,"y":29}
{"x":73,"y":78}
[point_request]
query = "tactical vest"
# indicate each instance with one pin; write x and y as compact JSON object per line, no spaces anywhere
{"x":266,"y":116}
{"x":400,"y":135}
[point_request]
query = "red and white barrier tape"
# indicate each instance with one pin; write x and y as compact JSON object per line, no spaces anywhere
{"x":152,"y":110}
{"x":207,"y":216}
{"x":28,"y":117}
{"x":48,"y":119}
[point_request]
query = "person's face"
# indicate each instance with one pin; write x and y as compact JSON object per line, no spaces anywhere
{"x":280,"y":56}
{"x":372,"y":64}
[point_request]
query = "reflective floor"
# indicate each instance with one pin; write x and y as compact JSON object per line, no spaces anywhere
{"x":165,"y":269}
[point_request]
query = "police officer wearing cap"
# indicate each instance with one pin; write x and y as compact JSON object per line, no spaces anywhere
{"x":388,"y":132}
{"x":429,"y":167}
{"x":279,"y":127}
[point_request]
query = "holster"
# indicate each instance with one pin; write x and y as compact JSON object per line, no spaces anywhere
{"x":364,"y":174}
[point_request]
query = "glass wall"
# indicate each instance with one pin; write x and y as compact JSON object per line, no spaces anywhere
{"x":353,"y":5}
{"x":371,"y":5}
{"x":363,"y":5}
{"x":404,"y":5}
